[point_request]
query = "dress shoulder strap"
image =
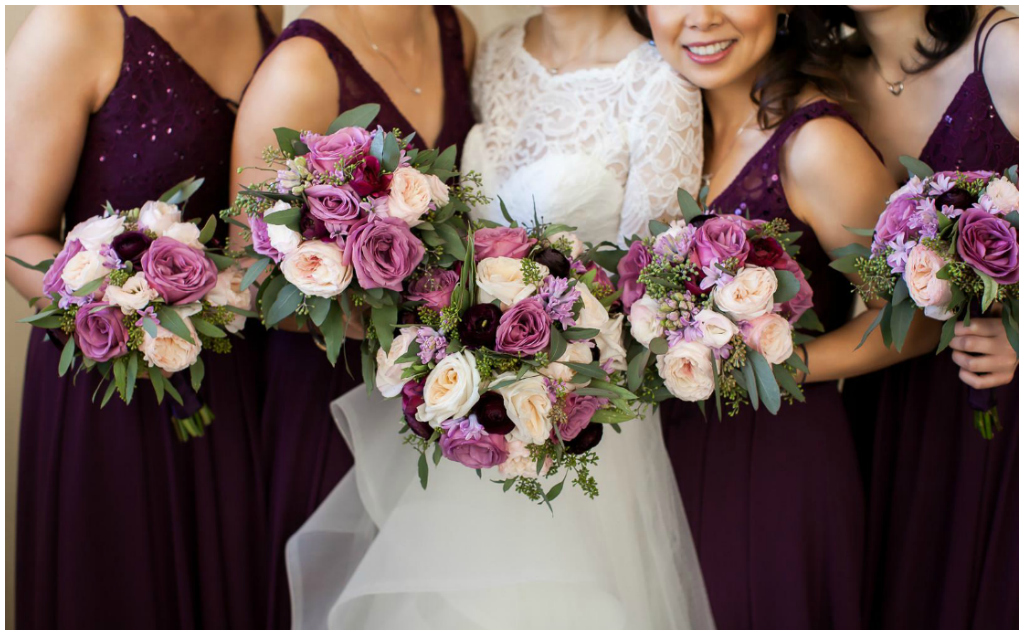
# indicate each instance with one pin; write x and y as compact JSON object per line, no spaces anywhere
{"x":124,"y":14}
{"x":980,"y":43}
{"x":266,"y":31}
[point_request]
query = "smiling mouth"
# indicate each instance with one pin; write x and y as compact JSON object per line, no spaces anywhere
{"x":709,"y":52}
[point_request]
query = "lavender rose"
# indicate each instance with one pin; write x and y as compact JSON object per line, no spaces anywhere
{"x":466,"y":442}
{"x":130,"y":246}
{"x":52,"y":281}
{"x":629,"y":270}
{"x":435,"y":288}
{"x":579,"y":410}
{"x":898,"y":218}
{"x":384,"y":252}
{"x":101,"y":336}
{"x":525,"y":328}
{"x":181,"y":274}
{"x":337,"y":207}
{"x":412,"y":397}
{"x":719,"y":239}
{"x":495,"y":242}
{"x":325,"y":151}
{"x":989,"y":244}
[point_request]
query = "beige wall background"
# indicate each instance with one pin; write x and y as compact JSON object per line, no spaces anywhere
{"x":485,"y":18}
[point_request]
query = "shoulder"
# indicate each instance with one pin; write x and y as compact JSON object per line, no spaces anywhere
{"x":827,"y":145}
{"x":274,"y":13}
{"x":1001,"y":66}
{"x":298,"y":64}
{"x":468,"y":38}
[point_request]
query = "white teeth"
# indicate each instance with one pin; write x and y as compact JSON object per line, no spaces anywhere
{"x":710,"y":49}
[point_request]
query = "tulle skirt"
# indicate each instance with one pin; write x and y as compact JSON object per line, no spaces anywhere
{"x":381,"y":552}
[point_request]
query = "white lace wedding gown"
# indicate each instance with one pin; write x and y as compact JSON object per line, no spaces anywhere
{"x":603,"y":150}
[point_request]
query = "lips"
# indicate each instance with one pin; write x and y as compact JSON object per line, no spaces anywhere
{"x":708,"y":52}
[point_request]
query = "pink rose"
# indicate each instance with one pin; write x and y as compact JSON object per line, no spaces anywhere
{"x":496,"y":242}
{"x":771,"y":335}
{"x":629,"y":271}
{"x":925,"y":288}
{"x":325,"y":151}
{"x":435,"y":288}
{"x":719,"y":239}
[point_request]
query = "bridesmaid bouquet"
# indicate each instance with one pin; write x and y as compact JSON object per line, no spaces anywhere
{"x":714,"y":299}
{"x":347,"y":219}
{"x":946,"y":244}
{"x":511,"y":358}
{"x":137,"y":293}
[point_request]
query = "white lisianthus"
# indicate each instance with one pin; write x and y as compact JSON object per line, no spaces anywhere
{"x":1003,"y":194}
{"x":501,"y":279}
{"x":528,"y":406}
{"x":717,"y":329}
{"x":748,"y":295}
{"x":134,"y":295}
{"x":228,"y":292}
{"x":283,"y":239}
{"x":451,"y":389}
{"x":645,"y":320}
{"x":609,"y":343}
{"x":83,"y":268}
{"x":157,"y":216}
{"x":317,"y":268}
{"x":169,"y":352}
{"x":97,"y":231}
{"x":688,"y":371}
{"x":389,"y":372}
{"x":593,"y":315}
{"x":410,"y":195}
{"x":185,"y":233}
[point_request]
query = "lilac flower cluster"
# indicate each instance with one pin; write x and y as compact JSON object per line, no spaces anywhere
{"x":558,"y":298}
{"x":433,"y":345}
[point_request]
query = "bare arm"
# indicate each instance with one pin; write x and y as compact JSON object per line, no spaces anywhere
{"x":833,"y":179}
{"x":60,"y":67}
{"x":1002,"y":71}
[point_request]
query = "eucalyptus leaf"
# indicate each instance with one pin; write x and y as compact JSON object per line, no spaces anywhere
{"x":689,"y":207}
{"x":358,"y":117}
{"x":900,"y":292}
{"x":319,"y":308}
{"x":66,"y":357}
{"x":592,"y":370}
{"x":223,"y":262}
{"x":902,"y":314}
{"x":788,"y":287}
{"x":254,"y":272}
{"x":809,"y":321}
{"x":196,"y":373}
{"x":288,"y":217}
{"x":751,"y":382}
{"x":659,"y":346}
{"x":285,"y":139}
{"x":916,"y":167}
{"x":133,"y":374}
{"x":390,"y":153}
{"x":384,"y":319}
{"x":208,"y":230}
{"x":149,"y":326}
{"x":1011,"y":327}
{"x":424,"y":471}
{"x":42,"y":266}
{"x":446,"y":160}
{"x":846,"y":264}
{"x":574,"y":333}
{"x":991,"y":290}
{"x":635,"y":370}
{"x":553,"y":493}
{"x":173,"y":322}
{"x":767,"y":386}
{"x":453,"y":242}
{"x":208,"y":329}
{"x":656,"y":227}
{"x":89,"y":287}
{"x":856,"y":249}
{"x":287,"y":301}
{"x":860,"y":231}
{"x":787,"y":383}
{"x":948,"y":330}
{"x":558,"y":344}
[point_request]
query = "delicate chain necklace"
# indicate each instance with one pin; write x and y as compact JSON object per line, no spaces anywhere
{"x":416,"y":90}
{"x":554,"y":70}
{"x":732,"y":144}
{"x":894,"y":87}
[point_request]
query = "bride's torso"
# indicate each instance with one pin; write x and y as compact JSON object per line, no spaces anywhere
{"x":568,"y":143}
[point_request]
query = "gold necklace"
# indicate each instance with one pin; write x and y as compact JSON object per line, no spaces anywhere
{"x":896,"y":88}
{"x":416,"y":90}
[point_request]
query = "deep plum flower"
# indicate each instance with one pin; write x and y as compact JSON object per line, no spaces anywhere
{"x":764,"y":252}
{"x":479,"y":326}
{"x":554,"y":260}
{"x":412,"y":397}
{"x":586,"y":440}
{"x":491,"y":413}
{"x":129,"y":247}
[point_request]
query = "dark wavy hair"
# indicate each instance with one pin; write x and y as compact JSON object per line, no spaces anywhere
{"x":948,"y":26}
{"x":807,"y":50}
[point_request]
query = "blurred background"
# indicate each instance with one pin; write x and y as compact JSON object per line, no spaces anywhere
{"x":485,"y":18}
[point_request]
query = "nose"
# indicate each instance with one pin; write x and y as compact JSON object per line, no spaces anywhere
{"x":702,"y":17}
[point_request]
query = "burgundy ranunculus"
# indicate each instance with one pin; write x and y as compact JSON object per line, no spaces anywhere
{"x":368,"y":178}
{"x":586,"y":440}
{"x":553,"y":259}
{"x":129,"y":247}
{"x":601,"y":277}
{"x":579,"y":410}
{"x":495,"y":242}
{"x":629,"y":270}
{"x":412,"y":398}
{"x":491,"y":413}
{"x":479,"y":326}
{"x":384,"y":253}
{"x":764,"y":252}
{"x":52,"y":281}
{"x":435,"y":288}
{"x":525,"y":329}
{"x":180,"y":274}
{"x":337,"y":206}
{"x":989,"y":244}
{"x":101,"y":335}
{"x":719,"y":239}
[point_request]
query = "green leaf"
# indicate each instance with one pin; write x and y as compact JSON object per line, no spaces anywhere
{"x":612,"y":416}
{"x":595,"y":392}
{"x":900,"y":292}
{"x":656,"y":227}
{"x":948,"y":330}
{"x":809,"y":321}
{"x":254,"y":272}
{"x":368,"y":366}
{"x":902,"y":314}
{"x":618,"y":391}
{"x":207,"y":328}
{"x":288,"y":300}
{"x":787,"y":383}
{"x":89,"y":287}
{"x":574,"y":333}
{"x":132,"y":377}
{"x":358,"y":117}
{"x":424,"y":471}
{"x":384,"y":320}
{"x":592,"y":369}
{"x":767,"y":386}
{"x":1011,"y":173}
{"x":846,"y":264}
{"x":43,"y":266}
{"x":66,"y":357}
{"x":171,"y":390}
{"x":1011,"y":327}
{"x":45,"y":313}
{"x":437,"y":454}
{"x":886,"y":325}
{"x":797,"y":363}
{"x":453,"y":242}
{"x":49,"y":322}
{"x":788,"y":287}
{"x":180,"y":192}
{"x":751,"y":382}
{"x":286,"y":137}
{"x":223,"y":262}
{"x":558,"y":344}
{"x":243,"y":312}
{"x":319,"y":308}
{"x":554,"y":491}
{"x":991,"y":290}
{"x":390,"y":153}
{"x":509,"y":482}
{"x":431,"y":238}
{"x":635,"y":370}
{"x":206,"y":233}
{"x":1011,"y":217}
{"x":916,"y":167}
{"x":446,"y":160}
{"x":659,"y":346}
{"x":287,"y":217}
{"x":149,"y":326}
{"x":108,"y":394}
{"x":860,"y":231}
{"x":504,"y":212}
{"x":856,"y":249}
{"x":156,"y":378}
{"x":173,"y":322}
{"x":687,"y":205}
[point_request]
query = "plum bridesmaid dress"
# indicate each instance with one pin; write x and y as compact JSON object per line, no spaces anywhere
{"x":943,"y":528}
{"x":120,"y":525}
{"x":306,"y":454}
{"x":775,"y":503}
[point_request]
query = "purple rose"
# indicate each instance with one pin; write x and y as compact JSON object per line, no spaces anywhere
{"x":524,"y":329}
{"x":491,"y":413}
{"x":989,"y":244}
{"x":898,"y":218}
{"x":479,"y":326}
{"x":719,"y":239}
{"x":180,"y":274}
{"x":412,"y":398}
{"x":471,"y":446}
{"x":261,"y":239}
{"x":579,"y":410}
{"x":52,"y":282}
{"x":629,"y":270}
{"x":384,"y":252}
{"x":102,"y":335}
{"x":495,"y":242}
{"x":337,"y":207}
{"x":435,"y":288}
{"x":804,"y":298}
{"x":130,"y":246}
{"x":325,"y":151}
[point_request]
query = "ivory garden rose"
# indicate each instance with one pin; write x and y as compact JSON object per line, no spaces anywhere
{"x":451,"y":390}
{"x":170,"y":352}
{"x":82,"y":268}
{"x":687,"y":370}
{"x":925,"y":288}
{"x":229,"y":292}
{"x":317,"y":268}
{"x":645,"y":321}
{"x":771,"y":335}
{"x":749,"y":294}
{"x":389,"y":371}
{"x":501,"y":278}
{"x":157,"y":216}
{"x":529,"y":406}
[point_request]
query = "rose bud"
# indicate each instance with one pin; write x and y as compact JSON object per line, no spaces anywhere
{"x":958,"y":198}
{"x":764,"y":252}
{"x":490,"y":412}
{"x":586,"y":440}
{"x":479,"y":326}
{"x":553,"y":259}
{"x":129,"y":246}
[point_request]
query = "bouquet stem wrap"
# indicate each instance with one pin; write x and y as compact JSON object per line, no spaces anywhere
{"x":191,"y":416}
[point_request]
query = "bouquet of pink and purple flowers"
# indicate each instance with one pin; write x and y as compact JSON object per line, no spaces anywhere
{"x":511,"y":359}
{"x":714,"y":300}
{"x":347,"y":219}
{"x":136,"y":294}
{"x":945,"y":244}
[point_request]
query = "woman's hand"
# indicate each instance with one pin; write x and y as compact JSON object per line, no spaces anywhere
{"x":984,"y":355}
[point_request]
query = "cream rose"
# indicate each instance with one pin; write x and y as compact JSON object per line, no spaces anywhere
{"x":593,"y":315}
{"x":925,"y":288}
{"x":185,"y":233}
{"x":645,"y":320}
{"x":717,"y":329}
{"x":438,"y":191}
{"x":1003,"y":194}
{"x":157,"y":216}
{"x":96,"y":231}
{"x":609,"y":343}
{"x":688,"y":371}
{"x":169,"y":352}
{"x":228,"y":292}
{"x":283,"y":239}
{"x":83,"y":268}
{"x":389,"y":372}
{"x":575,"y":352}
{"x":134,"y":295}
{"x":771,"y":335}
{"x":451,"y":390}
{"x":410,"y":195}
{"x":501,"y":279}
{"x":519,"y":462}
{"x":748,"y":295}
{"x":317,"y":268}
{"x":574,"y":241}
{"x":528,"y":406}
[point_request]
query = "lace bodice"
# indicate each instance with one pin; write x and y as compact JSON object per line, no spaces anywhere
{"x":601,"y":149}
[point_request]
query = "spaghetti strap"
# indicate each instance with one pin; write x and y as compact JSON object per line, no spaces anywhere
{"x":979,"y":43}
{"x":124,"y":14}
{"x":266,"y":31}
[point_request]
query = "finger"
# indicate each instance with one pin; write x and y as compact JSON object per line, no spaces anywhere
{"x":981,"y":382}
{"x":974,"y":344}
{"x":986,"y":327}
{"x":976,"y":363}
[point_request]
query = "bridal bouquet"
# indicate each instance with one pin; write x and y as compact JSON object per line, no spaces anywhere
{"x":347,"y":219}
{"x":136,"y":293}
{"x":946,"y":244}
{"x":714,"y":299}
{"x":510,"y":359}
